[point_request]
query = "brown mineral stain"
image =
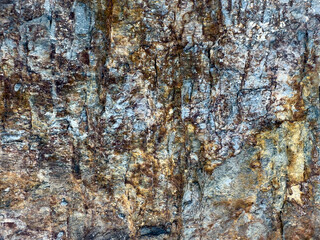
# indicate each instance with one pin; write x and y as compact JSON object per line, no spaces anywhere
{"x":236,"y":207}
{"x":209,"y":167}
{"x":142,"y":180}
{"x":255,"y":164}
{"x":84,"y":57}
{"x":294,"y":106}
{"x":19,"y":186}
{"x":12,"y":101}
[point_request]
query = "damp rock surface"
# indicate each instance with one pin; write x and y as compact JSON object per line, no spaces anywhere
{"x":143,"y":119}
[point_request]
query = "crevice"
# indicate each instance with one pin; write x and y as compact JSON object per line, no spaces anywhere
{"x":75,"y":163}
{"x":305,"y":56}
{"x":281,"y":225}
{"x":246,"y":67}
{"x":156,"y":71}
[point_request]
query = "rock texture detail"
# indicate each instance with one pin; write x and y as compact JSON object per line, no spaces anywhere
{"x":145,"y":119}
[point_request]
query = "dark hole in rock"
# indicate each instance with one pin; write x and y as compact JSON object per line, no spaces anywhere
{"x":154,"y":230}
{"x":9,"y":224}
{"x":71,"y":16}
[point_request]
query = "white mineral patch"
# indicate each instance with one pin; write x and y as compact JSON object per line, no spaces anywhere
{"x":17,"y":87}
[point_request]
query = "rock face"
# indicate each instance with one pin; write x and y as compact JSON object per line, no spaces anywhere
{"x":144,"y":119}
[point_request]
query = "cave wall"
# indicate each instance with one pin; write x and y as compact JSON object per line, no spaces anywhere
{"x":144,"y":119}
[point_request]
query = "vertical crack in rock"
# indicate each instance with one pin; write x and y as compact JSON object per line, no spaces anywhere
{"x":281,"y":225}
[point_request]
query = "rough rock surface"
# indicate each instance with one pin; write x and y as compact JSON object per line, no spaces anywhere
{"x":158,"y":119}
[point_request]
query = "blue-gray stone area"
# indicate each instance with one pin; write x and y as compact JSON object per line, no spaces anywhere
{"x":83,"y":19}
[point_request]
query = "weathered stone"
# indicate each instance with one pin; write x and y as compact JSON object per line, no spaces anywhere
{"x":159,"y":119}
